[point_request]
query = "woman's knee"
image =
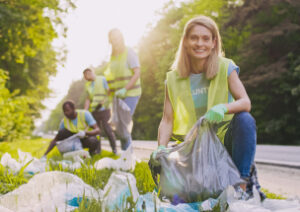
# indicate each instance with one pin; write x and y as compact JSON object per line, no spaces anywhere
{"x":245,"y":119}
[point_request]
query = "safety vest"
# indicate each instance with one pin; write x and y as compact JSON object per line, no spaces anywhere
{"x":81,"y":123}
{"x":118,"y":75}
{"x":180,"y":95}
{"x":97,"y":93}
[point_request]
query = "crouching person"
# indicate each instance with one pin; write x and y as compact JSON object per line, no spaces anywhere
{"x":77,"y":122}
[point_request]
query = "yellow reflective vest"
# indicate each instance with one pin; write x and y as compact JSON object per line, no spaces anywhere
{"x":97,"y":93}
{"x":118,"y":75}
{"x":81,"y":122}
{"x":180,"y":95}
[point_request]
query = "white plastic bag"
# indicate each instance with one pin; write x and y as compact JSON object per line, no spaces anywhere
{"x":14,"y":166}
{"x":48,"y":191}
{"x":119,"y":186}
{"x":125,"y":162}
{"x":70,"y":144}
{"x":79,"y":153}
{"x":121,"y":119}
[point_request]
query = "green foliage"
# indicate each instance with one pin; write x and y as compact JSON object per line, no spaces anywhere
{"x":15,"y":112}
{"x":144,"y":180}
{"x":26,"y":52}
{"x":264,"y":40}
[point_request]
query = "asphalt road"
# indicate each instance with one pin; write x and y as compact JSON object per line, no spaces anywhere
{"x":278,"y":166}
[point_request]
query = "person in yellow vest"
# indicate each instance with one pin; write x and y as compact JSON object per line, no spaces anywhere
{"x":97,"y":103}
{"x":123,"y":75}
{"x":77,"y":122}
{"x":204,"y":83}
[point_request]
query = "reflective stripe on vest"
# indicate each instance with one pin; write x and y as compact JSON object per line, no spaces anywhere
{"x":97,"y":93}
{"x":118,"y":75}
{"x":180,"y":95}
{"x":81,"y":123}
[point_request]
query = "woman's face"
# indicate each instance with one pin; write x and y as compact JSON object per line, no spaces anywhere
{"x":199,"y":43}
{"x":116,"y":39}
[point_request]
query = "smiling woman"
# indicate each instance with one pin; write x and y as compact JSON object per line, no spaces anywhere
{"x":199,"y":65}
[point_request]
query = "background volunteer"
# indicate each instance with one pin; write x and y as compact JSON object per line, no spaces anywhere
{"x":97,"y":102}
{"x":123,"y":75}
{"x":77,"y":122}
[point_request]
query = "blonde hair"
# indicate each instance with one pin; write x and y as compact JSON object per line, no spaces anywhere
{"x":182,"y":62}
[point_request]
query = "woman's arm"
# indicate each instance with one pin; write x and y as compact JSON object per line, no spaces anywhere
{"x":134,"y":78}
{"x":166,"y":124}
{"x":238,"y":91}
{"x":87,"y":103}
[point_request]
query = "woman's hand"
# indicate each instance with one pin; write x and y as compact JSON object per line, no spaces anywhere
{"x":216,"y":113}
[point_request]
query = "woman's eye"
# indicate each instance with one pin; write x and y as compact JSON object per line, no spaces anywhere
{"x":206,"y":38}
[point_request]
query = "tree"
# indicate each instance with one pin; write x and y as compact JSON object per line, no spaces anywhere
{"x":26,"y":54}
{"x":267,"y":49}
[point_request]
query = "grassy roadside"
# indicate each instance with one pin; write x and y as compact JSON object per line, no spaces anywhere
{"x":91,"y":176}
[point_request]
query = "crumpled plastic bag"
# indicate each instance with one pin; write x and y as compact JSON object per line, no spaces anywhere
{"x":14,"y":166}
{"x":197,"y":169}
{"x":150,"y":202}
{"x":77,"y":154}
{"x":121,"y":119}
{"x":48,"y":191}
{"x":119,"y":187}
{"x":69,"y":144}
{"x":126,"y":162}
{"x":255,"y":205}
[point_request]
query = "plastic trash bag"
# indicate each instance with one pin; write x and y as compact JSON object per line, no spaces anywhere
{"x":48,"y":191}
{"x":12,"y":164}
{"x":34,"y":166}
{"x":198,"y":168}
{"x":119,"y":187}
{"x":121,"y":119}
{"x":75,"y":154}
{"x":126,"y":162}
{"x":70,"y":144}
{"x":255,"y":205}
{"x":149,"y":202}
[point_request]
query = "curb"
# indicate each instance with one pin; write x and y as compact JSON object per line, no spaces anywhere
{"x":278,"y":163}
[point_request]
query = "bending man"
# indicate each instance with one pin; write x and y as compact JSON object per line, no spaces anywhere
{"x":77,"y":121}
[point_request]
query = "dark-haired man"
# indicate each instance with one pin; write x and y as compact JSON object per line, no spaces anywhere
{"x":77,"y":122}
{"x":97,"y":103}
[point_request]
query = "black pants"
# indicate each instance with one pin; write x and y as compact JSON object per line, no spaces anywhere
{"x":102,"y":118}
{"x":90,"y":142}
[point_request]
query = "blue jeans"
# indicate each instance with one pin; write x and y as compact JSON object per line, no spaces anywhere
{"x":132,"y":102}
{"x":240,"y":142}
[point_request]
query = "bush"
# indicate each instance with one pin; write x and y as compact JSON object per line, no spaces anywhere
{"x":15,"y":113}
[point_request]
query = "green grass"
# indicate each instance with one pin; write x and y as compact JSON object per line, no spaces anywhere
{"x":96,"y":178}
{"x":271,"y":195}
{"x":37,"y":147}
{"x":144,"y":180}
